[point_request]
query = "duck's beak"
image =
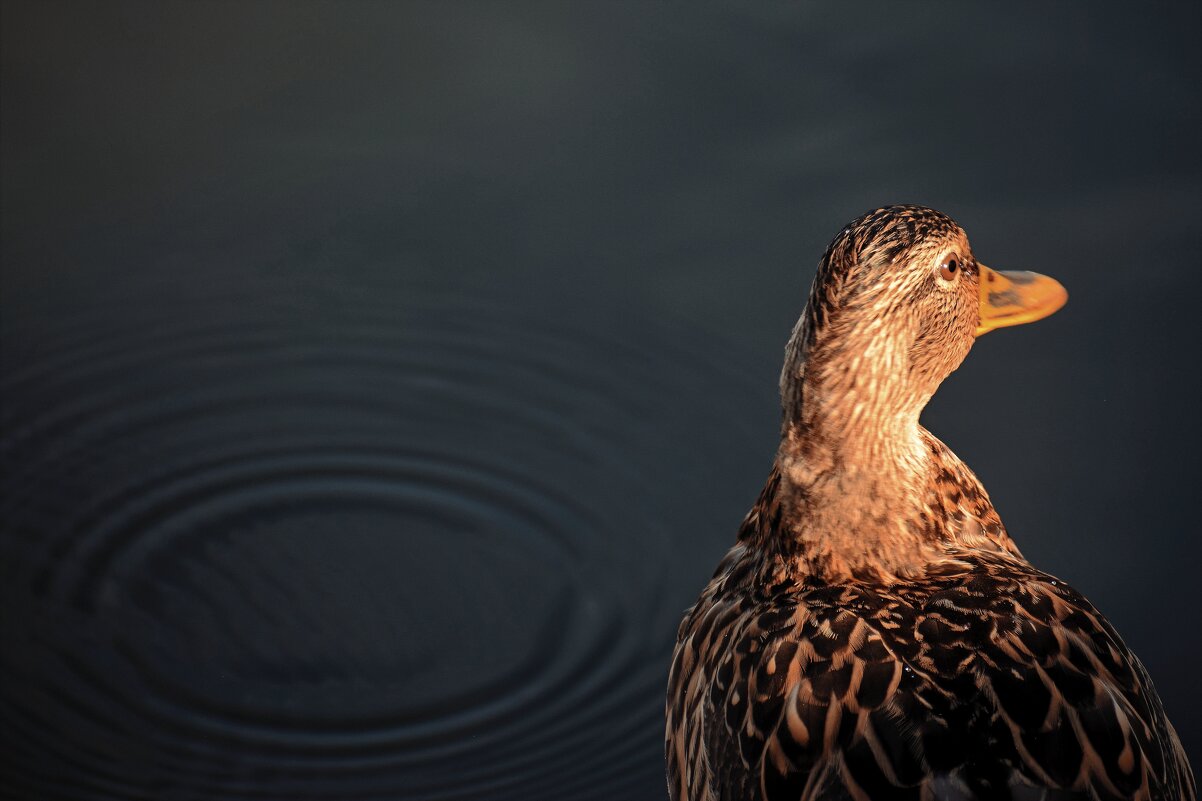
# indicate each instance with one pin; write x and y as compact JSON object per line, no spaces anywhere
{"x":1014,"y":298}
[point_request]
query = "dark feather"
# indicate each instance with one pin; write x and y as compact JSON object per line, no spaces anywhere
{"x":995,"y":681}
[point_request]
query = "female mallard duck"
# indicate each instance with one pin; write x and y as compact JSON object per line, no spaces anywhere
{"x":875,"y":633}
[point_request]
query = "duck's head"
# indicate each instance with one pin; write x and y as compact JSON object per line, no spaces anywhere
{"x":898,"y":300}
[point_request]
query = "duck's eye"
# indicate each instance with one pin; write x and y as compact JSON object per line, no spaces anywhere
{"x":949,"y":268}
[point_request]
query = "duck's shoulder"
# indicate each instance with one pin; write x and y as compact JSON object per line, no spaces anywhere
{"x":984,"y":671}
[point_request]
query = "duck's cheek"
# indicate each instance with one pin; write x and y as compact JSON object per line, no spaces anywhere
{"x":960,"y":349}
{"x":938,"y":350}
{"x":962,"y":332}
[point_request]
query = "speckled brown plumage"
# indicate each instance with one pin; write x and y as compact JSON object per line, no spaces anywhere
{"x":875,"y":633}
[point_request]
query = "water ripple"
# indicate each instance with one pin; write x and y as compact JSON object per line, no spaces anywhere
{"x":414,"y":542}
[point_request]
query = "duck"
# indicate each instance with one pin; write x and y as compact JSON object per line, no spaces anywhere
{"x":874,"y":632}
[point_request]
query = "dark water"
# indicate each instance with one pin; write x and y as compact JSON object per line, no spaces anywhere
{"x":380,"y":382}
{"x":294,"y":536}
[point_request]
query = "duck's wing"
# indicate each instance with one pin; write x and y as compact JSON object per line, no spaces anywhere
{"x":1002,"y":685}
{"x":1074,"y":704}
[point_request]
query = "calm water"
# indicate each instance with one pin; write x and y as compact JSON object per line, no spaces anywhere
{"x":380,"y":382}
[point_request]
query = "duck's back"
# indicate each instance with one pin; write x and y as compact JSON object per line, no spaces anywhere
{"x":984,"y":679}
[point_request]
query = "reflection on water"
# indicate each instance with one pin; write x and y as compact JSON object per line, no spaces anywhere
{"x":301,"y":536}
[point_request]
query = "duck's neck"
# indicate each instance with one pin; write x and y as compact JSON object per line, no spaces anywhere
{"x":859,"y":505}
{"x":852,"y":489}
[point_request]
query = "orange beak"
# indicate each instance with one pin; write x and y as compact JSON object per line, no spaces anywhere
{"x":1014,"y":298}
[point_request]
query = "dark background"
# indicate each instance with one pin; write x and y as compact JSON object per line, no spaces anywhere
{"x":381,"y":381}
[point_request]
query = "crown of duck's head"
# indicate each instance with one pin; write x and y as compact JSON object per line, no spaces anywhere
{"x":898,"y":300}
